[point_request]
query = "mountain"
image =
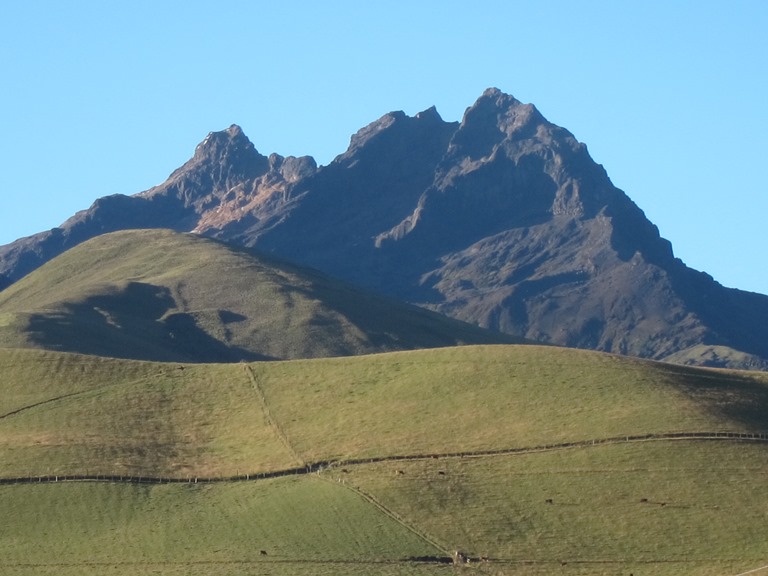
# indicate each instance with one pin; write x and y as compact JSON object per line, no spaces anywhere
{"x":225,"y":176}
{"x":501,"y":220}
{"x":163,"y":295}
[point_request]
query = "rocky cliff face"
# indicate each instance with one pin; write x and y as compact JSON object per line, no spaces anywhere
{"x":503,"y":220}
{"x":226,"y":183}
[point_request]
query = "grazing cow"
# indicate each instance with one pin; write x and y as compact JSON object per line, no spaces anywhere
{"x":263,"y":553}
{"x":399,"y":472}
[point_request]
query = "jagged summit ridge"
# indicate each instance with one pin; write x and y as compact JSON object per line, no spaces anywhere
{"x":220,"y":162}
{"x":230,"y":137}
{"x":430,"y":113}
{"x":394,"y":122}
{"x":505,"y":164}
{"x":502,"y":219}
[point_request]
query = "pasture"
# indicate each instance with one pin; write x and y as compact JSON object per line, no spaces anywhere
{"x":516,"y":456}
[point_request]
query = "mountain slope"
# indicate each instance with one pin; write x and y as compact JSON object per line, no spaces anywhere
{"x":520,"y":231}
{"x":162,"y":295}
{"x":502,"y":220}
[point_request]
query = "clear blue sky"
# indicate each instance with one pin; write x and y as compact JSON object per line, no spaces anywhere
{"x":671,"y":97}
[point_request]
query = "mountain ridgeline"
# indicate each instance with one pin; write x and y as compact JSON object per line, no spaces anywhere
{"x":501,"y":220}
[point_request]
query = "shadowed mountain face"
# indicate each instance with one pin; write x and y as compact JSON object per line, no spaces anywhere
{"x":502,"y":220}
{"x":162,"y":295}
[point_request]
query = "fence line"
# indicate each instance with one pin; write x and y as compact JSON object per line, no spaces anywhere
{"x":753,"y":571}
{"x":317,"y":467}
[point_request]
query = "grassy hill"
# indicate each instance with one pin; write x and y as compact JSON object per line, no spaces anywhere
{"x":537,"y":460}
{"x":162,"y":295}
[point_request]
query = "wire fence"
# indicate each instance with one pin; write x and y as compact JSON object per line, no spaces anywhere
{"x":320,"y":466}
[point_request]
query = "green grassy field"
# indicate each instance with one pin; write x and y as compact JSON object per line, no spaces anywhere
{"x":496,"y":397}
{"x":217,"y":529}
{"x":166,"y":296}
{"x":662,"y":507}
{"x":100,"y":416}
{"x":655,"y":507}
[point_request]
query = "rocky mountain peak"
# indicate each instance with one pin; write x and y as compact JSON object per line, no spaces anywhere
{"x":223,"y":160}
{"x":430,"y":113}
{"x":230,"y":146}
{"x":232,"y":137}
{"x":399,"y":129}
{"x":366,"y":134}
{"x":292,"y":169}
{"x":493,"y":118}
{"x":500,"y":99}
{"x":502,"y":219}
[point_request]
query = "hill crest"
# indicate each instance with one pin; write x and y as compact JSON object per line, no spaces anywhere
{"x":162,"y":295}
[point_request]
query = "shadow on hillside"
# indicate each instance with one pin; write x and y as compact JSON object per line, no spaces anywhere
{"x":737,"y":397}
{"x":134,"y":322}
{"x":393,"y":325}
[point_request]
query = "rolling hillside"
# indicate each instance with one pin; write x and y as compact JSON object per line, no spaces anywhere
{"x":526,"y":459}
{"x":162,"y":295}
